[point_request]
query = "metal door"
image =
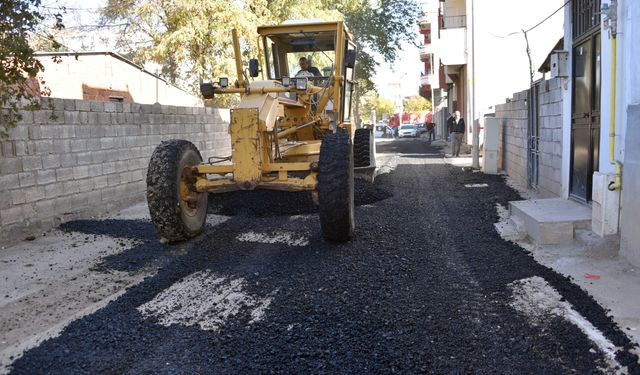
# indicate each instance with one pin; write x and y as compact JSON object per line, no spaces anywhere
{"x":585,"y":119}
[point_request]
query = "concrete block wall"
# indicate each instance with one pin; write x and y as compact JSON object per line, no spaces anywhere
{"x":514,"y":118}
{"x":550,"y":161}
{"x":87,"y":158}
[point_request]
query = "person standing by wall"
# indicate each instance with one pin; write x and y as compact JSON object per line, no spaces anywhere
{"x":456,"y":127}
{"x":430,"y":131}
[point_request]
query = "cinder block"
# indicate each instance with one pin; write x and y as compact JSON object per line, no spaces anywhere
{"x":30,"y":163}
{"x":64,"y":174}
{"x":84,"y":158}
{"x":104,"y":118}
{"x":27,"y":179}
{"x":100,"y":182}
{"x":45,"y":208}
{"x":109,"y":167}
{"x":109,"y":106}
{"x":69,"y":104}
{"x":34,"y":193}
{"x":9,"y":181}
{"x":55,"y":117}
{"x":70,"y":187}
{"x":95,"y":170}
{"x":78,"y":145}
{"x":18,"y":197}
{"x":12,"y":215}
{"x":53,"y":190}
{"x":46,"y":176}
{"x":97,"y":106}
{"x":80,"y":172}
{"x":83,"y":105}
{"x":68,"y":160}
{"x":85,"y":185}
{"x":106,"y":143}
{"x":82,"y":131}
{"x":113,"y":180}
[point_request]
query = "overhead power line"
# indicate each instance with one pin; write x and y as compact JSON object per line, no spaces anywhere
{"x":536,"y":25}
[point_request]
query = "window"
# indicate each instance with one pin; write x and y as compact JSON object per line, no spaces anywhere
{"x":586,"y":16}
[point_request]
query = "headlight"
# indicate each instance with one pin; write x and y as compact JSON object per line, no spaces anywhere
{"x":224,"y":82}
{"x":301,"y":83}
{"x":286,"y":81}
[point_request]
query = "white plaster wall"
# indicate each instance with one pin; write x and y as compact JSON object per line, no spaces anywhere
{"x":566,"y":106}
{"x":629,"y":114}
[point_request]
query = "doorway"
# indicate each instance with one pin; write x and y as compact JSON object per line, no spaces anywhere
{"x":585,"y":115}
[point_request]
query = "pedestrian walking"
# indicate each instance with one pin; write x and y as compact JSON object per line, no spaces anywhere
{"x":430,"y":131}
{"x":456,"y":127}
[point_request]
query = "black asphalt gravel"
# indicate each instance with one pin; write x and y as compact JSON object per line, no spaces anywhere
{"x":422,"y":289}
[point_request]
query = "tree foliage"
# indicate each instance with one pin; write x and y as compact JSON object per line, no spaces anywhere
{"x":19,"y":86}
{"x":416,"y":103}
{"x":191,"y":38}
{"x":382,"y":106}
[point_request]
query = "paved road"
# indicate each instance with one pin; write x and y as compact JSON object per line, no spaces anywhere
{"x":428,"y":286}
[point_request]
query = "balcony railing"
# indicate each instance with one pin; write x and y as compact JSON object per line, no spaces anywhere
{"x":428,"y":79}
{"x":453,"y":22}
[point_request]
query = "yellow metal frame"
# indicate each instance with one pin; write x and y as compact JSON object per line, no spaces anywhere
{"x":275,"y":140}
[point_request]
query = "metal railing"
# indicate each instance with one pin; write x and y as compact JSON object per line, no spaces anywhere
{"x":452,"y":22}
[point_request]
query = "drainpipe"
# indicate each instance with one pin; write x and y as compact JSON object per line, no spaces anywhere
{"x":611,"y":11}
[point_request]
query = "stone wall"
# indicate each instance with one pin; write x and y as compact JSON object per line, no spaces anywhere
{"x":87,"y":158}
{"x":514,"y":118}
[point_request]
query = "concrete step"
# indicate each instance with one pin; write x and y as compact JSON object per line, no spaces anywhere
{"x":550,"y":221}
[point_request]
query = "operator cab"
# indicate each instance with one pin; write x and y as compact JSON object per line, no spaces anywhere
{"x":314,"y":43}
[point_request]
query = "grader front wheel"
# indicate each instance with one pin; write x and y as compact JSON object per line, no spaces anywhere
{"x":335,"y":187}
{"x":177,"y":210}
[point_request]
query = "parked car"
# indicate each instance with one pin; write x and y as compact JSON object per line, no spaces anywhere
{"x":408,"y":130}
{"x":422,"y":128}
{"x":383,"y":131}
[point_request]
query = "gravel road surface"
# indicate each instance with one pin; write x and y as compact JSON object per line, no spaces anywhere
{"x":427,"y":286}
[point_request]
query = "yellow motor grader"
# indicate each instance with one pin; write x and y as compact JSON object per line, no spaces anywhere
{"x":293,"y":130}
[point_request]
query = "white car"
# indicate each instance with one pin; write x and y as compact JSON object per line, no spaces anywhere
{"x":408,"y":130}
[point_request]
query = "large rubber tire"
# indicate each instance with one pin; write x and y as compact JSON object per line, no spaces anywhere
{"x":362,"y":148}
{"x":173,"y":218}
{"x":335,"y":187}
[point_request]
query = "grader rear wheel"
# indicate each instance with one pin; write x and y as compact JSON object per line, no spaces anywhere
{"x":177,"y":210}
{"x":362,"y":147}
{"x":335,"y":187}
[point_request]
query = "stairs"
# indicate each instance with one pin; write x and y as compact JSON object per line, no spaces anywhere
{"x":547,"y":221}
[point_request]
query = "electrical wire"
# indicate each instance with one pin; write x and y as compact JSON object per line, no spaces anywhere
{"x":536,"y":25}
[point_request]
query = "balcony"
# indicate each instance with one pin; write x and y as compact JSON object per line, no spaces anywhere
{"x":425,"y":26}
{"x":430,"y":80}
{"x":454,"y":22}
{"x":427,"y":79}
{"x":425,"y":52}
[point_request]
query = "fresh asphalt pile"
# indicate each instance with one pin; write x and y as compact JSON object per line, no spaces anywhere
{"x":277,"y":203}
{"x":423,"y":288}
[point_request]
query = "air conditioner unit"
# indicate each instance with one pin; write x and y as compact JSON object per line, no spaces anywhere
{"x":559,"y":62}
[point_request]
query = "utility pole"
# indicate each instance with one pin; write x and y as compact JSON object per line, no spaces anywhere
{"x":475,"y":149}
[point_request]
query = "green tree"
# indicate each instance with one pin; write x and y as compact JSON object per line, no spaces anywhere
{"x":191,"y":38}
{"x":416,"y":103}
{"x":381,"y":105}
{"x":19,"y":85}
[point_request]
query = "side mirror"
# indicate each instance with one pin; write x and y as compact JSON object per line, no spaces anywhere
{"x":254,"y":67}
{"x":350,"y":58}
